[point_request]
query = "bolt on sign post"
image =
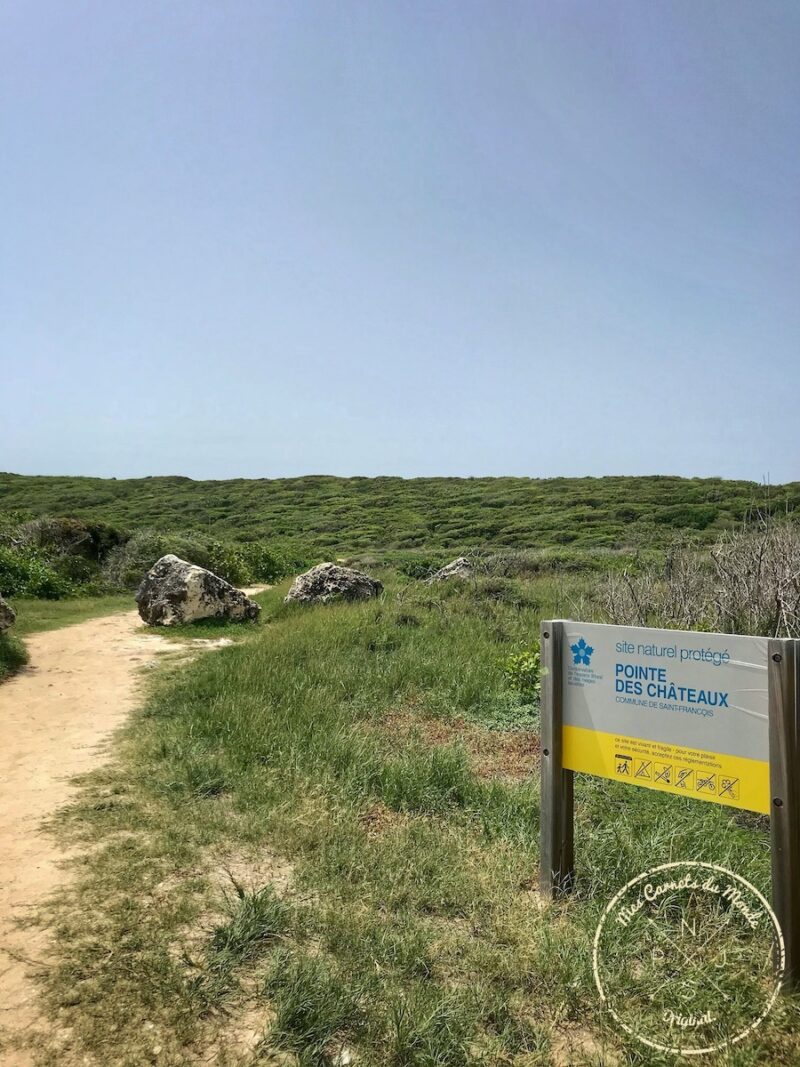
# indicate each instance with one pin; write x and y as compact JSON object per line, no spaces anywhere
{"x":715,"y":717}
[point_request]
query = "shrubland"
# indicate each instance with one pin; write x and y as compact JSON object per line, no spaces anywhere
{"x":64,"y":536}
{"x":748,"y":582}
{"x":433,"y":516}
{"x":56,"y":557}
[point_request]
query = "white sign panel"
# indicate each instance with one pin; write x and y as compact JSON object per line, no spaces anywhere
{"x":684,"y":712}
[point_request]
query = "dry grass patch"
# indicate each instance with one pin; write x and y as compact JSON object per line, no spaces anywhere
{"x":512,"y":755}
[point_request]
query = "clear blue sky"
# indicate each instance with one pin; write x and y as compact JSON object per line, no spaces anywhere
{"x":537,"y":238}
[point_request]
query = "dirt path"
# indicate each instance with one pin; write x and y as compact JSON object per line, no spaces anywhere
{"x":56,"y":717}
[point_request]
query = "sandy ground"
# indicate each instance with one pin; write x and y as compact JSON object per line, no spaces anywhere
{"x":56,"y":717}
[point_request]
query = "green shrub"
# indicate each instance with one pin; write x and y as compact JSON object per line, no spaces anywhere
{"x":239,"y":564}
{"x":128,"y":563}
{"x":420,"y":567}
{"x":522,"y":671}
{"x":22,"y":573}
{"x":13,"y":655}
{"x":229,"y":563}
{"x":266,"y":565}
{"x":53,"y":537}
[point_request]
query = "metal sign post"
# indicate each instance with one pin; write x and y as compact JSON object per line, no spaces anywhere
{"x":784,"y":777}
{"x":557,"y":853}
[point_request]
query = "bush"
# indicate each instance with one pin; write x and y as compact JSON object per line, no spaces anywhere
{"x":229,"y":563}
{"x":238,"y":564}
{"x":522,"y":671}
{"x":13,"y":655}
{"x":23,"y":573}
{"x":420,"y":567}
{"x":54,"y":538}
{"x":265,"y":564}
{"x":749,"y":583}
{"x":128,"y":563}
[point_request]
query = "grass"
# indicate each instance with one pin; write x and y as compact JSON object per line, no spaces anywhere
{"x":12,"y":655}
{"x":35,"y":616}
{"x":406,"y":929}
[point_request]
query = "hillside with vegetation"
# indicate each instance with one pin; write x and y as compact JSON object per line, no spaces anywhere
{"x":328,"y":515}
{"x":62,"y":536}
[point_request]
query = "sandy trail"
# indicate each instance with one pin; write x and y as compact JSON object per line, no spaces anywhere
{"x":56,"y":717}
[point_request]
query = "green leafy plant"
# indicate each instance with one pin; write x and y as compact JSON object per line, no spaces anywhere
{"x":522,"y":670}
{"x":23,"y":573}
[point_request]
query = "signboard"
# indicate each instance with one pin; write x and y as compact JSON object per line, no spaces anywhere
{"x":712,"y":716}
{"x":682,"y":712}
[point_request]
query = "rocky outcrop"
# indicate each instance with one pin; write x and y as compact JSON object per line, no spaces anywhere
{"x":174,"y":591}
{"x":329,"y":581}
{"x":459,"y":568}
{"x":7,"y":615}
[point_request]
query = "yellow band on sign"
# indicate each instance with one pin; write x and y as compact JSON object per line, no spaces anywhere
{"x":722,"y":779}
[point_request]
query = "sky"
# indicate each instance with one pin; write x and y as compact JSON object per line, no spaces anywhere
{"x":544,"y":238}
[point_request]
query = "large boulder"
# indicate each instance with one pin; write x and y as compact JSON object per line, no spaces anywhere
{"x":329,"y":581}
{"x":7,"y":615}
{"x":174,"y":591}
{"x":459,"y":568}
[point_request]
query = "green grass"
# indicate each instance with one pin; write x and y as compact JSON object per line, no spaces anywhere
{"x":34,"y":616}
{"x":12,"y":655}
{"x":404,"y":926}
{"x":435,"y":516}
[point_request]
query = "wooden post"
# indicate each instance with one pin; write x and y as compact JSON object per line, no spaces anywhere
{"x":784,"y":775}
{"x":556,"y":853}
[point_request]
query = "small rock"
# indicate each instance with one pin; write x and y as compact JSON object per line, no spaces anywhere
{"x":7,"y":615}
{"x":174,"y":591}
{"x":329,"y":581}
{"x":459,"y":568}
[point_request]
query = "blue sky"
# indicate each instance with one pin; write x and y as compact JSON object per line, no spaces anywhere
{"x":264,"y":239}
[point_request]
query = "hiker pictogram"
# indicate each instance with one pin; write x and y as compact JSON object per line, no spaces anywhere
{"x":623,"y":764}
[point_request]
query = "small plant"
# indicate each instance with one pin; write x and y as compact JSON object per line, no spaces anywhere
{"x":420,"y":567}
{"x":522,"y":671}
{"x":256,"y":919}
{"x":314,"y":1005}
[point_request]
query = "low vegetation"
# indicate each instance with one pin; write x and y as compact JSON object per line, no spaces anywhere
{"x":321,"y":843}
{"x":323,"y":516}
{"x":52,"y":558}
{"x":748,"y":583}
{"x":12,"y":655}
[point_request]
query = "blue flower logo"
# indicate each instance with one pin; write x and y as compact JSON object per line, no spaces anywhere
{"x":582,"y":652}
